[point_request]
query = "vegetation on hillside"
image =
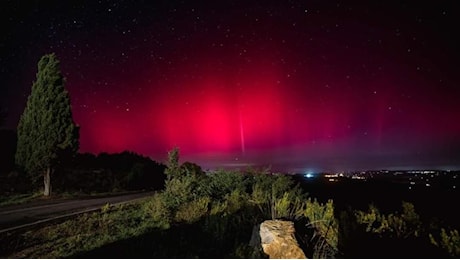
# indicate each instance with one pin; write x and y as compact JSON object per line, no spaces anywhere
{"x":212,"y":215}
{"x":400,"y":234}
{"x":220,"y":209}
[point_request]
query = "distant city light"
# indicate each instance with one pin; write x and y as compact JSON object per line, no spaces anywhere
{"x":308,"y":175}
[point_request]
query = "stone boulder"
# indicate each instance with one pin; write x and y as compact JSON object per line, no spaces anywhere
{"x":277,"y":239}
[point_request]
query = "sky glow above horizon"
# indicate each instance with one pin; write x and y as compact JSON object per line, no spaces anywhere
{"x":298,"y":85}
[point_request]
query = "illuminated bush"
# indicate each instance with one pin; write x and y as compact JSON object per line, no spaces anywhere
{"x":192,"y":211}
{"x":290,"y":206}
{"x":158,"y":210}
{"x":398,"y":225}
{"x":275,"y":196}
{"x":449,"y":240}
{"x":321,"y":218}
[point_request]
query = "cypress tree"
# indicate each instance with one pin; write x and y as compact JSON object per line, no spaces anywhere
{"x":46,"y":130}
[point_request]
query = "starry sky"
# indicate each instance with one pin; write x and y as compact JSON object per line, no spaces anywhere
{"x":298,"y":85}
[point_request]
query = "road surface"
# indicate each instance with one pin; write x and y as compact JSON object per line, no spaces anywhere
{"x":30,"y":213}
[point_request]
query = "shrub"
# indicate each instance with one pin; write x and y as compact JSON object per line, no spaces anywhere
{"x":222,"y":183}
{"x":448,"y":240}
{"x":398,"y":225}
{"x":192,"y":211}
{"x":275,"y":196}
{"x":321,"y":218}
{"x":178,"y":191}
{"x":158,"y":210}
{"x":289,"y":206}
{"x":235,"y":201}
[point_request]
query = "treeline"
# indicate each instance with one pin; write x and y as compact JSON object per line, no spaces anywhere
{"x":88,"y":173}
{"x":110,"y":172}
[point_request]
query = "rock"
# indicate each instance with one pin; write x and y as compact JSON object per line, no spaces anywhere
{"x":277,"y":239}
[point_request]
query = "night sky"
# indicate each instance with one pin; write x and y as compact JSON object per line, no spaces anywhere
{"x":298,"y":85}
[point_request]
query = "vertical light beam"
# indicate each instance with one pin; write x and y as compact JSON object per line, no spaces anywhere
{"x":243,"y":148}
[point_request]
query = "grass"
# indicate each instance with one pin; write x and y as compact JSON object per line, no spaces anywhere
{"x":18,"y":199}
{"x":76,"y":195}
{"x":80,"y":234}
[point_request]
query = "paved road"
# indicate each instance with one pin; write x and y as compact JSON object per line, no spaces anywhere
{"x":12,"y":217}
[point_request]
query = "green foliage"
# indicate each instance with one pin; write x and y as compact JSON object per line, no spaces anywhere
{"x":192,"y":211}
{"x":82,"y":233}
{"x":235,"y":200}
{"x":46,"y":131}
{"x":398,"y":225}
{"x":448,"y":240}
{"x":173,"y":168}
{"x":185,"y":184}
{"x":191,"y":195}
{"x":321,"y":218}
{"x":218,"y":208}
{"x":413,"y":224}
{"x":180,"y":190}
{"x":230,"y":204}
{"x":290,"y":205}
{"x":372,"y":220}
{"x":158,"y":210}
{"x":280,"y":185}
{"x":276,"y":197}
{"x":222,"y":182}
{"x":222,"y":208}
{"x":406,"y":229}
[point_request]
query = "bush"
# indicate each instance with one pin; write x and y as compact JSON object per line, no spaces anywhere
{"x":179,"y":191}
{"x":222,"y":183}
{"x":192,"y":211}
{"x":277,"y":197}
{"x":158,"y":210}
{"x":235,"y":200}
{"x":326,"y":228}
{"x":290,"y":206}
{"x":448,"y":240}
{"x":398,"y":225}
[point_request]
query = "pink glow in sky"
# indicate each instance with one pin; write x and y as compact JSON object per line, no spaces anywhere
{"x":293,"y":84}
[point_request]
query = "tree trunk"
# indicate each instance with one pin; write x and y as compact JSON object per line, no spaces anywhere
{"x":47,"y":182}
